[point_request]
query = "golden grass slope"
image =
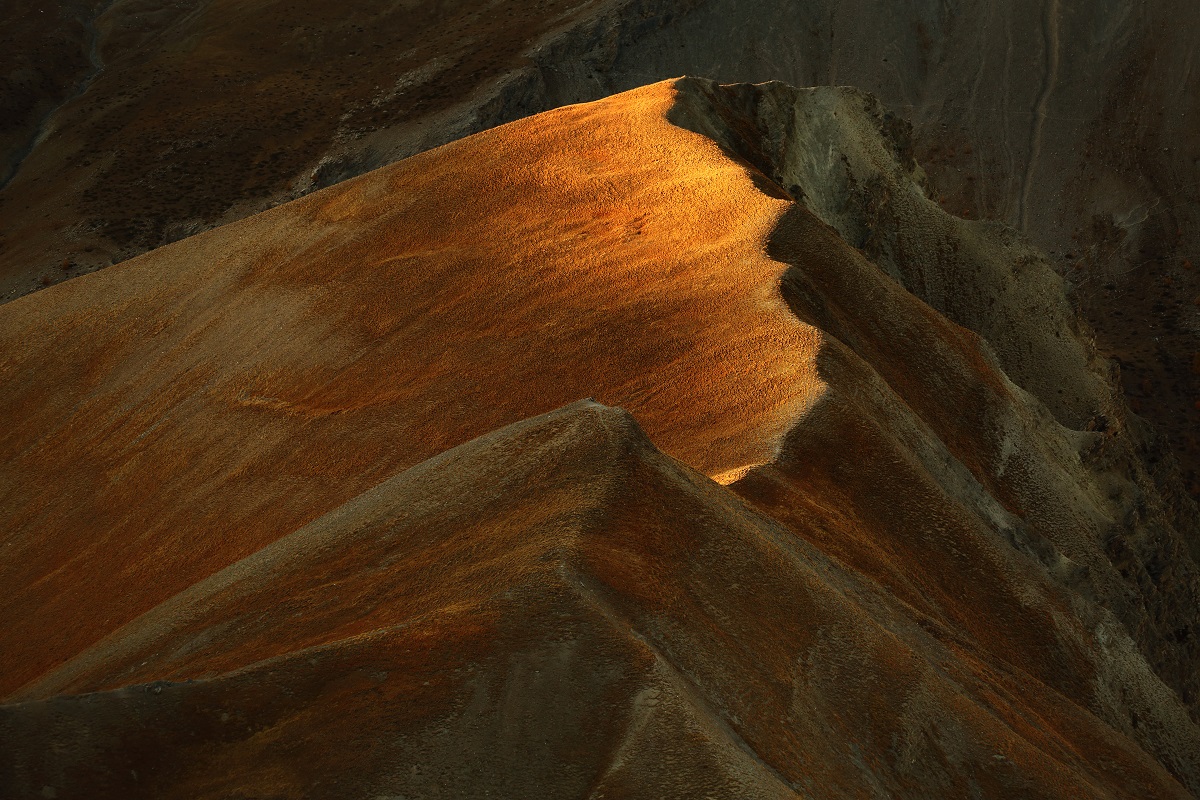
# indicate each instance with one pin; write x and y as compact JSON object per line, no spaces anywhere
{"x":181,"y":411}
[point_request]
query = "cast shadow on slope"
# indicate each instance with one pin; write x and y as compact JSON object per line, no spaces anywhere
{"x":963,"y":491}
{"x":934,"y":475}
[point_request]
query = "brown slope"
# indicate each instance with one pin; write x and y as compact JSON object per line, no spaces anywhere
{"x":951,"y":463}
{"x":229,"y":389}
{"x":1085,"y":484}
{"x":555,"y":609}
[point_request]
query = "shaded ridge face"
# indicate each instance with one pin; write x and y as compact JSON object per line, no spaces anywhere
{"x":248,"y":495}
{"x":848,"y":162}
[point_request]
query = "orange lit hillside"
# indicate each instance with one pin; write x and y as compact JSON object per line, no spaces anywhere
{"x":234,"y":386}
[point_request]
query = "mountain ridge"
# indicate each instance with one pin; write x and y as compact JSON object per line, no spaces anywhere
{"x":944,"y":496}
{"x":207,"y":113}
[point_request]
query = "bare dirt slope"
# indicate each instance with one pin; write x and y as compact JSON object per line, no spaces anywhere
{"x":940,"y":555}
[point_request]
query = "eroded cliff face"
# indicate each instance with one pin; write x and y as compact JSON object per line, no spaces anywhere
{"x":848,"y":161}
{"x":896,"y":532}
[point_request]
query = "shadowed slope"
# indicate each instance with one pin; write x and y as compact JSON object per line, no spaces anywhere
{"x":595,"y":619}
{"x":1063,"y":468}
